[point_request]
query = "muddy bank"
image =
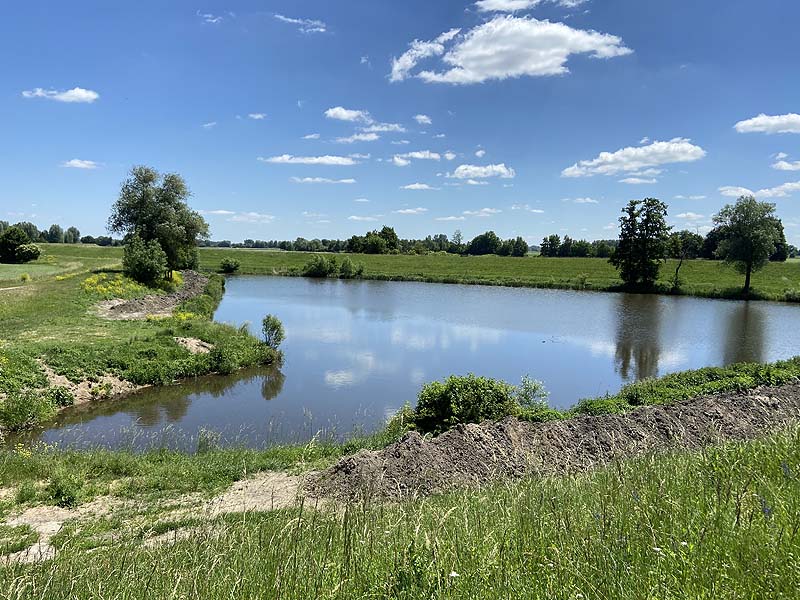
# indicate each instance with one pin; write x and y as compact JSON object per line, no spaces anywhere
{"x":475,"y":454}
{"x":154,"y":305}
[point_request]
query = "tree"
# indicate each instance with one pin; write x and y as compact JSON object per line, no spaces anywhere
{"x":565,"y":250}
{"x":485,"y":243}
{"x":144,"y":261}
{"x":10,"y":240}
{"x":273,"y":331}
{"x":3,"y":226}
{"x":153,"y":207}
{"x":392,"y":241}
{"x":581,"y":248}
{"x":685,"y":244}
{"x":781,"y":253}
{"x":642,"y":242}
{"x":520,"y":247}
{"x":375,"y":244}
{"x":31,"y":230}
{"x":55,"y":235}
{"x":749,"y":233}
{"x":602,"y":249}
{"x":711,"y":243}
{"x":550,"y":245}
{"x":72,"y":236}
{"x":793,"y":253}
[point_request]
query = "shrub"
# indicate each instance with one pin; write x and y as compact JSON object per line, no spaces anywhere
{"x":144,"y":261}
{"x":350,"y":270}
{"x":27,"y":252}
{"x":273,"y":331}
{"x":64,"y":489}
{"x":229,"y":265}
{"x":23,"y":409}
{"x":26,"y":492}
{"x":60,"y":396}
{"x":468,"y":399}
{"x":319,"y":266}
{"x":25,"y":278}
{"x":11,"y":239}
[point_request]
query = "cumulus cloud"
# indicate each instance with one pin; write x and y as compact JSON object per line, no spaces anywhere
{"x":360,"y":218}
{"x":218,"y":212}
{"x":304,"y":25}
{"x":384,"y":128}
{"x":321,"y":180}
{"x":482,"y":172}
{"x":584,"y":201}
{"x":677,"y":150}
{"x":423,"y":119}
{"x":403,"y":160}
{"x":411,"y":211}
{"x":694,"y":197}
{"x":783,"y":165}
{"x":361,"y":200}
{"x":788,"y":123}
{"x":527,"y":208}
{"x":209,"y":125}
{"x":503,"y":47}
{"x":399,"y":161}
{"x":358,"y":137}
{"x":451,"y":218}
{"x":75,"y":95}
{"x":311,"y":136}
{"x":483,"y":212}
{"x":450,"y":155}
{"x":418,"y":186}
{"x":690,"y":216}
{"x":252,"y":217}
{"x":480,"y":153}
{"x":339,"y":113}
{"x":781,"y":191}
{"x":517,"y":5}
{"x":209,"y":18}
{"x":289,"y":159}
{"x":77,"y":163}
{"x":257,"y":116}
{"x":637,"y":180}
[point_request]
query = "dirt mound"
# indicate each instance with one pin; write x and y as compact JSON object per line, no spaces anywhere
{"x":154,"y":305}
{"x":475,"y":454}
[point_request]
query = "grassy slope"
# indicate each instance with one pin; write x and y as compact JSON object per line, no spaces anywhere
{"x":721,"y":523}
{"x":51,"y":319}
{"x":701,"y":277}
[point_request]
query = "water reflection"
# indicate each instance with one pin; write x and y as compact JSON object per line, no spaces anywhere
{"x":638,"y":335}
{"x":744,"y":334}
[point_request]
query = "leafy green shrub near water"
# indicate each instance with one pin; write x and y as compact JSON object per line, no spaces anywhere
{"x":229,"y":265}
{"x":27,"y":253}
{"x":321,"y":266}
{"x":144,"y":262}
{"x":273,"y":331}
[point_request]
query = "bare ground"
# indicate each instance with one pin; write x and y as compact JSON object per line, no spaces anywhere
{"x":153,"y":305}
{"x":474,"y":454}
{"x":105,"y":388}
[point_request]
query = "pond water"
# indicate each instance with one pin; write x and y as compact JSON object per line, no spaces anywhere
{"x":355,"y":351}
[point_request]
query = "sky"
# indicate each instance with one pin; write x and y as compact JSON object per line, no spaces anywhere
{"x":324,"y":119}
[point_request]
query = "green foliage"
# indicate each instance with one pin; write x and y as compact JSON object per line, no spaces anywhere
{"x":27,"y":253}
{"x":153,"y":207}
{"x":65,"y":488}
{"x":485,"y":243}
{"x":320,"y":266}
{"x":467,"y":399}
{"x":685,"y":244}
{"x":229,"y":265}
{"x":642,"y":242}
{"x":144,"y":262}
{"x":14,"y":538}
{"x":350,"y":270}
{"x":10,"y":240}
{"x":748,"y":235}
{"x":60,"y":396}
{"x":273,"y":332}
{"x":375,"y":244}
{"x":22,"y":409}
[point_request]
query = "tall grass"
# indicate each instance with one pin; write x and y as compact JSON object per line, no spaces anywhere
{"x":722,"y":523}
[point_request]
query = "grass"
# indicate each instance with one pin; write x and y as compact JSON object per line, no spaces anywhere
{"x":720,"y":523}
{"x":778,"y":281}
{"x":52,"y":320}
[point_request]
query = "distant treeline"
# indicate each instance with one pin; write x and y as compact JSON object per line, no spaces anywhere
{"x":56,"y":234}
{"x":386,"y":241}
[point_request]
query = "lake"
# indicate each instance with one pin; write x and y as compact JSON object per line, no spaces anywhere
{"x":355,"y":351}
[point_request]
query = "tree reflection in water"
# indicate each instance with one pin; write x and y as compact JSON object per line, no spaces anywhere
{"x":638,"y":336}
{"x":744,"y":334}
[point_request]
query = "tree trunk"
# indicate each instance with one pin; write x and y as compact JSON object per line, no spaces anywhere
{"x":747,"y":279}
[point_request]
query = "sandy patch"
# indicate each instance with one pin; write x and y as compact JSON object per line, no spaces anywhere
{"x":194,"y":345}
{"x":153,"y":305}
{"x":107,"y":387}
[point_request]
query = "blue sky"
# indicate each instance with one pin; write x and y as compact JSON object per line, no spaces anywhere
{"x":324,"y":119}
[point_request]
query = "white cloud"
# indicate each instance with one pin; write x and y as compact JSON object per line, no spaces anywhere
{"x":384,"y":128}
{"x":257,"y":116}
{"x":311,"y":136}
{"x":411,"y":211}
{"x":304,"y":25}
{"x":359,"y":218}
{"x":77,"y":163}
{"x":788,"y":123}
{"x":218,"y":212}
{"x":783,"y":165}
{"x":637,"y":180}
{"x":690,"y":216}
{"x":695,"y":197}
{"x":399,"y":161}
{"x":481,"y":172}
{"x":584,"y":201}
{"x":780,"y":156}
{"x":209,"y":18}
{"x":677,"y":150}
{"x":358,"y":137}
{"x":360,"y":156}
{"x":517,"y":5}
{"x":483,"y":212}
{"x":361,"y":200}
{"x":288,"y":159}
{"x":610,"y":227}
{"x":527,"y":207}
{"x":440,"y":136}
{"x":75,"y":95}
{"x":480,"y":153}
{"x":423,"y":119}
{"x":450,"y":155}
{"x":451,"y":218}
{"x":476,"y":182}
{"x":402,"y":160}
{"x":418,"y":186}
{"x":644,"y":140}
{"x":503,"y":47}
{"x":340,"y":113}
{"x":401,"y":143}
{"x":251,"y":217}
{"x":781,"y":191}
{"x":321,"y":180}
{"x":209,"y":125}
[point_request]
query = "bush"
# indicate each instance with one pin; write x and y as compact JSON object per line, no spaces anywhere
{"x":319,"y":266}
{"x":60,"y":396}
{"x":23,"y":409}
{"x":64,"y":489}
{"x":273,"y":331}
{"x":229,"y":265}
{"x":25,"y":278}
{"x":10,"y":240}
{"x":27,"y":252}
{"x":469,"y":399}
{"x":143,"y":261}
{"x":350,"y":270}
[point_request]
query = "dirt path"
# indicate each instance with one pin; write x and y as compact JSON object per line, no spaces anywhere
{"x":154,"y":305}
{"x":475,"y":454}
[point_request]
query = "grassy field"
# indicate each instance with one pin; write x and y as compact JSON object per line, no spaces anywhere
{"x":700,"y":277}
{"x":721,"y":523}
{"x":52,"y":320}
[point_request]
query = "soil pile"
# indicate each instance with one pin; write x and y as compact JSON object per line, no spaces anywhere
{"x":154,"y":305}
{"x":474,"y":454}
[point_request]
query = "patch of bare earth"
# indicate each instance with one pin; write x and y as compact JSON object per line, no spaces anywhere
{"x":194,"y":345}
{"x":475,"y":454}
{"x":154,"y":305}
{"x":105,"y":388}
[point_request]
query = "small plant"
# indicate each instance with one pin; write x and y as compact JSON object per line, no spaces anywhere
{"x":319,"y":266}
{"x":207,"y":441}
{"x":272,"y":329}
{"x":22,"y":409}
{"x":64,"y":489}
{"x":350,"y":270}
{"x":26,"y":492}
{"x":143,"y":261}
{"x":24,"y":278}
{"x":229,"y":265}
{"x":60,"y":396}
{"x":27,"y":253}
